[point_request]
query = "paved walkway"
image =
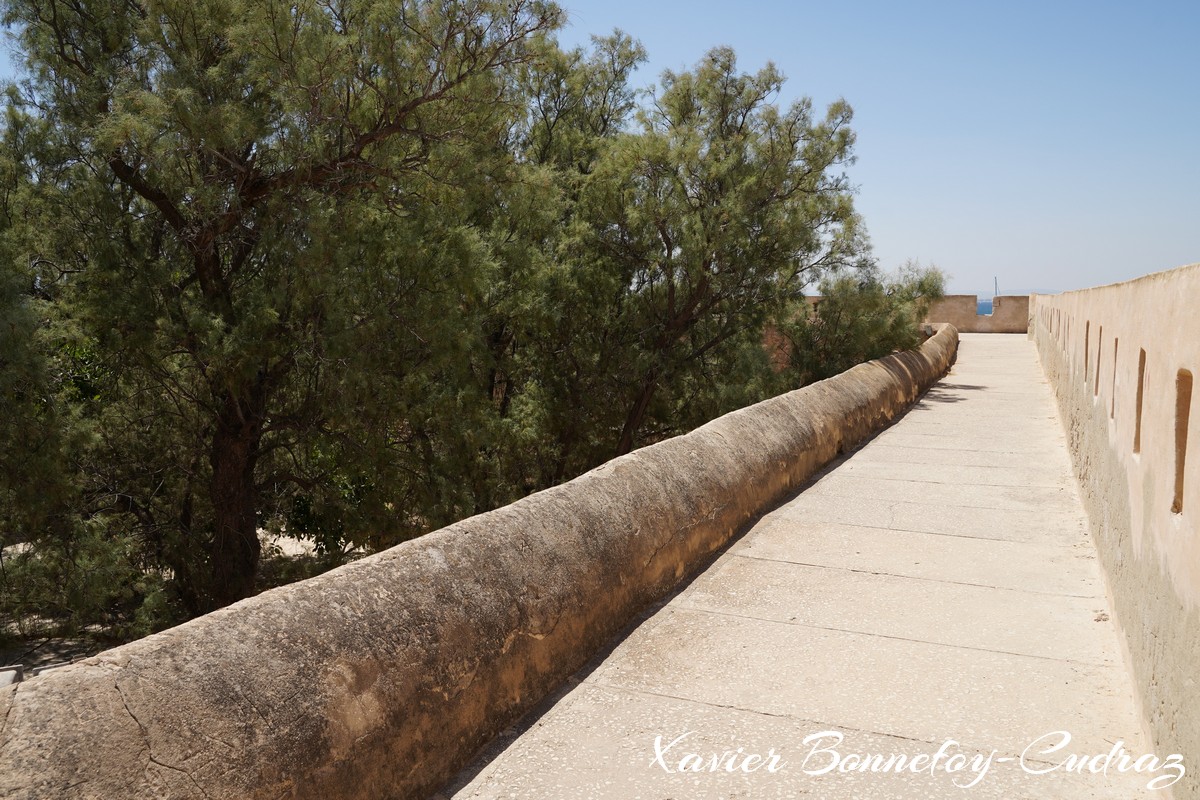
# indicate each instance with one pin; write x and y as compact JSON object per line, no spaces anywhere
{"x":939,"y":584}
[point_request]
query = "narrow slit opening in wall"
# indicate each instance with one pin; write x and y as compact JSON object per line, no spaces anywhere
{"x":1099,"y":345}
{"x":1183,"y":407}
{"x":1087,"y":345}
{"x":1141,"y":385}
{"x":1112,"y":395}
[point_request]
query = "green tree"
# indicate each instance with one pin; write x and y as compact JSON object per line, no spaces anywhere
{"x":355,"y":270}
{"x":690,"y":233}
{"x":733,"y":205}
{"x":239,"y":206}
{"x":550,"y":351}
{"x":861,"y":315}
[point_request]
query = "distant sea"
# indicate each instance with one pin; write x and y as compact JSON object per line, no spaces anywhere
{"x":984,"y":307}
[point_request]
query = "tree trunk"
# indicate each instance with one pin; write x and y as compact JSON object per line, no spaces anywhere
{"x":235,"y":548}
{"x":179,"y":558}
{"x":637,"y":414}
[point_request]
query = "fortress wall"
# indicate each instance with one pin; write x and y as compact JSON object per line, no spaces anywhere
{"x":1121,"y":359}
{"x":382,"y":678}
{"x":1010,"y":314}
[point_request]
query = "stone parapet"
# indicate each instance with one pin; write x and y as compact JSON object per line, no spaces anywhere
{"x":382,"y":678}
{"x":1121,"y":360}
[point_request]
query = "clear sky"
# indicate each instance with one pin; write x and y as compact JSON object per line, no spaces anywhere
{"x":1050,"y":145}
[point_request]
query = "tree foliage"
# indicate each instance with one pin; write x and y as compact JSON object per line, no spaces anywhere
{"x":861,"y":315}
{"x":354,"y":269}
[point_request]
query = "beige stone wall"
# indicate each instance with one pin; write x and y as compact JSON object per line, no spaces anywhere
{"x":1102,"y":349}
{"x":1010,"y":314}
{"x":382,"y":678}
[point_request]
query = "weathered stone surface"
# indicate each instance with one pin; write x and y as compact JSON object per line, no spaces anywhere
{"x":610,"y":761}
{"x":988,"y":637}
{"x":381,"y":678}
{"x":1097,"y":346}
{"x":1009,"y":314}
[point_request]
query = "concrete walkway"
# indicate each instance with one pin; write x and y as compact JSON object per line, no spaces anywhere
{"x":937,"y":585}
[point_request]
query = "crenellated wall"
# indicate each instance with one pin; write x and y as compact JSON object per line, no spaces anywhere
{"x":1121,"y":360}
{"x":382,"y":678}
{"x":1010,"y":314}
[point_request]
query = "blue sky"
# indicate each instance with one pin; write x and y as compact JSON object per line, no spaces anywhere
{"x":1049,"y":145}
